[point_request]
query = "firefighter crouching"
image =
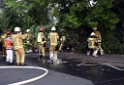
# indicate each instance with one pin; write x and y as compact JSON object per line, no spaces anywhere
{"x":98,"y":35}
{"x":92,"y":44}
{"x":41,"y":39}
{"x":17,"y":39}
{"x":53,"y":38}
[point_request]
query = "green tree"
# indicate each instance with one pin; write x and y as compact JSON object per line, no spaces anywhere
{"x":25,"y":13}
{"x":75,"y":17}
{"x":75,"y":13}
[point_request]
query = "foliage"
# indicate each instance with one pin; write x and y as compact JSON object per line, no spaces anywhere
{"x":75,"y":13}
{"x":75,"y":20}
{"x":24,"y":13}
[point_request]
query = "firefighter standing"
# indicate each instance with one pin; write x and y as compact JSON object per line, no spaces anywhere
{"x":3,"y":44}
{"x":62,"y":40}
{"x":98,"y":35}
{"x":92,"y":44}
{"x":41,"y":39}
{"x":28,"y":41}
{"x":53,"y":38}
{"x":17,"y":39}
{"x":9,"y":50}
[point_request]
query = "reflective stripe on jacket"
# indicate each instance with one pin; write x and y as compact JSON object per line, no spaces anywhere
{"x":17,"y":40}
{"x":41,"y":38}
{"x":92,"y":43}
{"x":53,"y":36}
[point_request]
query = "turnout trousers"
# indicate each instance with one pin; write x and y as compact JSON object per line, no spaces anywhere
{"x":42,"y":50}
{"x":20,"y":56}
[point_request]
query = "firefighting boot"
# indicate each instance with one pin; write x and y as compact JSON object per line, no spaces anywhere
{"x":88,"y":53}
{"x":43,"y":60}
{"x":51,"y":55}
{"x":101,"y":52}
{"x":95,"y":53}
{"x":40,"y":57}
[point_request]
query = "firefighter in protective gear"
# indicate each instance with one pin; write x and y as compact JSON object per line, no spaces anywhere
{"x":9,"y":50}
{"x":62,"y":40}
{"x":3,"y":44}
{"x":27,"y":43}
{"x":98,"y":35}
{"x":17,"y":40}
{"x":92,"y":44}
{"x":41,"y":39}
{"x":53,"y":38}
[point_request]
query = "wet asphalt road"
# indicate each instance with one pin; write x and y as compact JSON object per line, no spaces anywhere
{"x":9,"y":76}
{"x":69,"y":73}
{"x":98,"y":74}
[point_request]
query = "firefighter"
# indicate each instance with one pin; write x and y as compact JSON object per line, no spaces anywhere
{"x":62,"y":40}
{"x":9,"y":50}
{"x":3,"y":36}
{"x":41,"y":39}
{"x":98,"y":35}
{"x":53,"y":38}
{"x":1,"y":47}
{"x":92,"y":44}
{"x":17,"y":40}
{"x":28,"y":42}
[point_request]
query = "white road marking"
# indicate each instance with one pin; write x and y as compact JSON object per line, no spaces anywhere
{"x":26,"y":67}
{"x":112,"y":66}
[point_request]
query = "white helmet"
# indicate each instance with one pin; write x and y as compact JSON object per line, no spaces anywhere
{"x":28,"y":30}
{"x":92,"y":33}
{"x":53,"y":29}
{"x":17,"y":29}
